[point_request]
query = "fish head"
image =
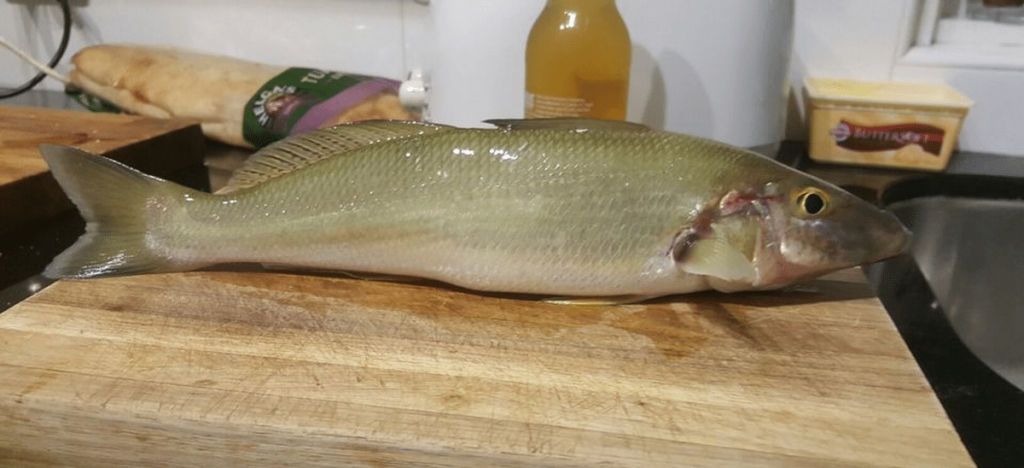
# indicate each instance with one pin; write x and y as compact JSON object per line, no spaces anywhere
{"x":786,"y":230}
{"x":809,"y":227}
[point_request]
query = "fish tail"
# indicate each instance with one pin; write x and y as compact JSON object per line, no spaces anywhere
{"x":113,"y":200}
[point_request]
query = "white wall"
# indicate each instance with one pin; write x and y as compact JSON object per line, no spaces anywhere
{"x":994,"y":122}
{"x":361,"y":36}
{"x":862,"y":39}
{"x":849,"y":39}
{"x":871,"y":40}
{"x":732,"y":91}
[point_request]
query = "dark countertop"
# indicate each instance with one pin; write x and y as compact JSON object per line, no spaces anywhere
{"x":987,"y":411}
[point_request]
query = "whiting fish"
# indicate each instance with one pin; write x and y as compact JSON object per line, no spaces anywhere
{"x":552,"y":207}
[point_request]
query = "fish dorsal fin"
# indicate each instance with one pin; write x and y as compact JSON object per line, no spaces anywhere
{"x":569,"y":124}
{"x":299,"y":151}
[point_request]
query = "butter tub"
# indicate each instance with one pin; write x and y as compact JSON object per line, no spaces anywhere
{"x":894,"y":124}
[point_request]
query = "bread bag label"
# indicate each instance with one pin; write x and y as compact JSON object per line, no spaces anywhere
{"x":91,"y":102}
{"x":300,"y":100}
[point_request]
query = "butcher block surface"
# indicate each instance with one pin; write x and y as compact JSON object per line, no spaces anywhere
{"x":27,"y":191}
{"x":243,"y":368}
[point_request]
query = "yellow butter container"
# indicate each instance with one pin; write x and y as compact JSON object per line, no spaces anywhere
{"x":911,"y":125}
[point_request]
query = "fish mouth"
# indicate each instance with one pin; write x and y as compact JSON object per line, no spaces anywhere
{"x":892,"y":242}
{"x":896,"y":238}
{"x":908,"y":242}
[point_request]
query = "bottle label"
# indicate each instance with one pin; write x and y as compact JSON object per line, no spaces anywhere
{"x":299,"y":100}
{"x":539,"y":106}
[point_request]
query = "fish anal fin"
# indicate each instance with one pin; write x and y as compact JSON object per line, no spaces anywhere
{"x":356,"y":275}
{"x":598,"y":301}
{"x":297,"y":152}
{"x":569,"y":124}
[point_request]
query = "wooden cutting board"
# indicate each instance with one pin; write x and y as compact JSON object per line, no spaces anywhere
{"x":234,"y":368}
{"x":27,"y":191}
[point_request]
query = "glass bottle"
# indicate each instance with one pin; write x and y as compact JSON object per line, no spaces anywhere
{"x":577,"y":61}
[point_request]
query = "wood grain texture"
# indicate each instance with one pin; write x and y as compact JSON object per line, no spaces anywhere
{"x":29,"y":193}
{"x":233,"y":368}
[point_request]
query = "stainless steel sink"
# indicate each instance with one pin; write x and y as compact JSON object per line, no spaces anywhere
{"x":958,"y":300}
{"x":971,"y":252}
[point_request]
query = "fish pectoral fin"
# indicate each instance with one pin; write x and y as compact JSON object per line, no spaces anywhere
{"x":569,"y":124}
{"x":716,"y":258}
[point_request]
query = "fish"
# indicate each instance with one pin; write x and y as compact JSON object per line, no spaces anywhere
{"x":571,"y":208}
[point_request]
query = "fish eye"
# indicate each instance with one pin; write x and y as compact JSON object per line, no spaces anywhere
{"x":812,"y":201}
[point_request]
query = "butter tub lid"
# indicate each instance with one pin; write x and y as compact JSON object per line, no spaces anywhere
{"x":886,"y":94}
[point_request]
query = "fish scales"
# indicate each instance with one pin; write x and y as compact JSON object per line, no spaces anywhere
{"x":574,"y":207}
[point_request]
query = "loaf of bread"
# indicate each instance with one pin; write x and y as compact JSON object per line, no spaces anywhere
{"x":215,"y":90}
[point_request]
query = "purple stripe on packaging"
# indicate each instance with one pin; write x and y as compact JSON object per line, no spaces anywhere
{"x":320,"y":113}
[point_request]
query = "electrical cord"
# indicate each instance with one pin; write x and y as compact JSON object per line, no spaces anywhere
{"x":65,"y":8}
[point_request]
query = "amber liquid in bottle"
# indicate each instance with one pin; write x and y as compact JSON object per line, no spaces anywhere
{"x":577,"y":61}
